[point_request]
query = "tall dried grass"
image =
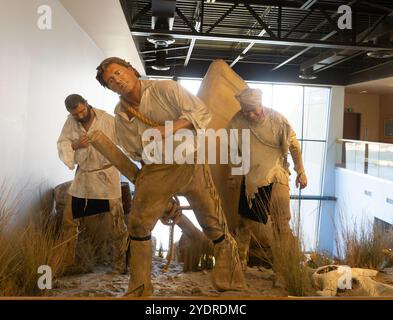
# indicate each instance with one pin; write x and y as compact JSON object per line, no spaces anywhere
{"x":24,"y":247}
{"x":26,"y":244}
{"x":363,"y":245}
{"x":289,"y":264}
{"x":288,"y":259}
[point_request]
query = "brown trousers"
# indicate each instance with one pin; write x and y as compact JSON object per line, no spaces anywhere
{"x":157,"y":183}
{"x":111,"y":222}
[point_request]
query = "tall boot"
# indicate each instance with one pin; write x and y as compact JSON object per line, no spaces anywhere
{"x":227,"y":272}
{"x":140,"y":269}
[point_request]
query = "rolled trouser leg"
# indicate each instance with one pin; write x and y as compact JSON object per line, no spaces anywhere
{"x":203,"y":197}
{"x":69,"y":236}
{"x":119,"y":236}
{"x":140,"y":284}
{"x":243,"y":237}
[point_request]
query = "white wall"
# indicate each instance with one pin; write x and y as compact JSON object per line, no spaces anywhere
{"x":361,"y":197}
{"x":39,"y":68}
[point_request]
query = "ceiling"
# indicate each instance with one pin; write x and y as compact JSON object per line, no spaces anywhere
{"x":379,"y":87}
{"x":266,"y":40}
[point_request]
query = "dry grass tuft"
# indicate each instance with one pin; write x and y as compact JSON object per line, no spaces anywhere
{"x":23,"y":248}
{"x":364,"y":246}
{"x":27,"y":245}
{"x":289,"y":262}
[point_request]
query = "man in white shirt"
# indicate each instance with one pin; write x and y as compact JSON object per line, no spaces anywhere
{"x":95,"y":192}
{"x":265,"y":188}
{"x":145,"y":104}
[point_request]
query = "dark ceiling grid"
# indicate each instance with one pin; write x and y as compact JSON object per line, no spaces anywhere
{"x":296,"y":32}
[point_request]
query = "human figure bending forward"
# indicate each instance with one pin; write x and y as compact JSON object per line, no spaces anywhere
{"x":148,"y":104}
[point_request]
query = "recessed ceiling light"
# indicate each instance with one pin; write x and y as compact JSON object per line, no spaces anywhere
{"x":305,"y":76}
{"x":161,"y":40}
{"x":160,"y":68}
{"x":380,"y":54}
{"x":364,"y":91}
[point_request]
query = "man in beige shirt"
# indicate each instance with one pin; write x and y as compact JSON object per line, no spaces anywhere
{"x":265,"y":188}
{"x":145,"y":104}
{"x":95,"y":192}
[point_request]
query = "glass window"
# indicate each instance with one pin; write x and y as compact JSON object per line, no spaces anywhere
{"x":316,"y":107}
{"x":267,"y":93}
{"x":306,"y":222}
{"x":313,"y":158}
{"x":288,"y":100}
{"x":191,"y":85}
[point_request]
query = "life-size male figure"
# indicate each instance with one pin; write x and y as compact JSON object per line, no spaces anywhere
{"x":265,"y":188}
{"x":95,"y":192}
{"x":154,"y":102}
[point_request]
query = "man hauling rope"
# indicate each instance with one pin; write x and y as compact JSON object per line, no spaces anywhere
{"x":265,"y":189}
{"x":145,"y":104}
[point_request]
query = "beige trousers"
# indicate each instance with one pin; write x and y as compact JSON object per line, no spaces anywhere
{"x":157,"y":183}
{"x":111,"y":222}
{"x":154,"y":187}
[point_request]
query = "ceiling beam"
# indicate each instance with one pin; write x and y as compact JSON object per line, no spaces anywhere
{"x":198,"y":17}
{"x":222,"y":18}
{"x":185,"y":20}
{"x":323,"y":23}
{"x":307,"y":5}
{"x":359,"y":53}
{"x":260,"y":21}
{"x":334,"y":57}
{"x":141,"y":32}
{"x":299,"y":23}
{"x":251,"y":44}
{"x":142,"y":12}
{"x":383,"y":70}
{"x":301,"y":52}
{"x":165,"y":49}
{"x":377,"y":6}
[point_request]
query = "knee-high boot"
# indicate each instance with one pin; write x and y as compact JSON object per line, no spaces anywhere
{"x":140,"y":269}
{"x":227,"y":272}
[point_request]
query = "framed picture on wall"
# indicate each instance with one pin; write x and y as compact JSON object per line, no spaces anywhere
{"x":389,"y":127}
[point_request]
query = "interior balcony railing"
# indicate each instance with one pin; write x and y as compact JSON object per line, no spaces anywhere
{"x":372,"y":158}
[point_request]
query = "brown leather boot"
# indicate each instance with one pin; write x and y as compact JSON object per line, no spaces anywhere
{"x":227,"y":272}
{"x":140,"y":269}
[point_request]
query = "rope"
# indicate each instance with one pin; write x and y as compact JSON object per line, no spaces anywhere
{"x":135,"y":113}
{"x":171,"y":218}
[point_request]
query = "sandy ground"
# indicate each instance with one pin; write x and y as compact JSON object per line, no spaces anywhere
{"x":173,"y":283}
